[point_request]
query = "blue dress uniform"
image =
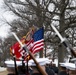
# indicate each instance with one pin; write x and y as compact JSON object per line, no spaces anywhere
{"x":63,"y":69}
{"x":10,"y":74}
{"x":49,"y":71}
{"x":42,"y":62}
{"x":36,"y":74}
{"x":63,"y":73}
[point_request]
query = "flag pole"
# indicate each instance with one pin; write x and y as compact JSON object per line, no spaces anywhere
{"x":32,"y":56}
{"x":23,"y":64}
{"x":27,"y":67}
{"x":16,"y":71}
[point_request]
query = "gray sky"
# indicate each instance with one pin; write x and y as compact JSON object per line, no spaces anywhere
{"x":4,"y":28}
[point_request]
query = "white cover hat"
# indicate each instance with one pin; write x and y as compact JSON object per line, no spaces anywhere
{"x":70,"y":66}
{"x":41,"y":61}
{"x":10,"y":63}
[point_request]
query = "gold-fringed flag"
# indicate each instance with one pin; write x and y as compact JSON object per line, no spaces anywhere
{"x":34,"y":41}
{"x":18,"y":50}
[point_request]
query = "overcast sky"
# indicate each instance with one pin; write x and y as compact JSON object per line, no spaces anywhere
{"x":4,"y":28}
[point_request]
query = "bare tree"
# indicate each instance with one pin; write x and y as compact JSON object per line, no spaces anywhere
{"x":60,"y":13}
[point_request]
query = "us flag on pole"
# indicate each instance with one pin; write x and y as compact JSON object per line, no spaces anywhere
{"x":38,"y":38}
{"x":34,"y":41}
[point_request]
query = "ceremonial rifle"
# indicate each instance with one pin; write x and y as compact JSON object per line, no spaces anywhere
{"x":65,"y":42}
{"x":32,"y":56}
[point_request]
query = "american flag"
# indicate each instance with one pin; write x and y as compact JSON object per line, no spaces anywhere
{"x":38,"y":38}
{"x":34,"y":43}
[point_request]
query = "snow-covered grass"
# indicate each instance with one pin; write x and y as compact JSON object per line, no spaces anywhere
{"x":2,"y":69}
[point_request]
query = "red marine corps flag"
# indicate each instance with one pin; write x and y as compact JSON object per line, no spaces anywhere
{"x":18,"y":50}
{"x":34,"y":42}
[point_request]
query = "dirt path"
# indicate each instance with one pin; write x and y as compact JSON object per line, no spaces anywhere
{"x":4,"y":73}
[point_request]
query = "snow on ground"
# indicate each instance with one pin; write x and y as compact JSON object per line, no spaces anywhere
{"x":2,"y":69}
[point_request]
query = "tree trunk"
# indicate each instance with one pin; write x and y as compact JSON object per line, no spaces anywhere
{"x":62,"y":51}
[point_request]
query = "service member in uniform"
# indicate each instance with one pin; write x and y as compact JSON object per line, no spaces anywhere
{"x":42,"y":62}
